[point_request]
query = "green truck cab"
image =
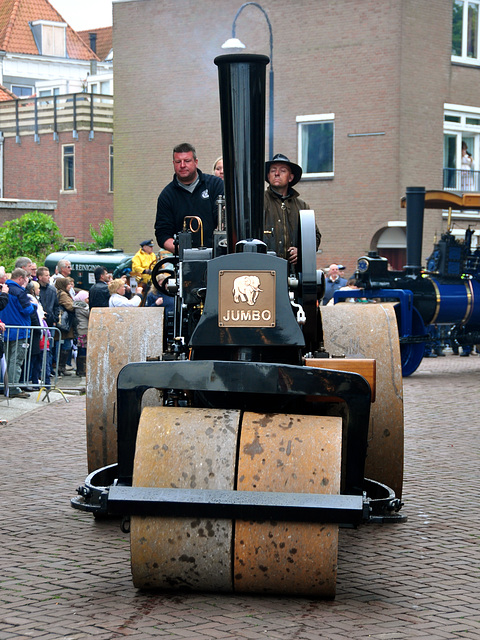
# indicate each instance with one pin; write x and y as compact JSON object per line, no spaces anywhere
{"x":84,"y":264}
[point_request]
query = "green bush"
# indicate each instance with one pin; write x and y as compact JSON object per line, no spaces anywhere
{"x":103,"y":238}
{"x":34,"y":234}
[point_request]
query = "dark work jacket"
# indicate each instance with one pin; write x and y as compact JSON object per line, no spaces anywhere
{"x":49,"y":301}
{"x":281,"y":221}
{"x":99,"y":295}
{"x":175,"y":202}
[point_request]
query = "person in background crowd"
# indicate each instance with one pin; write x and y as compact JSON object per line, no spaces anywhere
{"x":99,"y":294}
{"x":62,"y":270}
{"x":17,"y":314}
{"x":33,"y":271}
{"x":143,"y":262}
{"x":333,"y":283}
{"x":3,"y":304}
{"x":37,"y":319}
{"x":117,"y":295}
{"x":24,"y":263}
{"x":218,"y":167}
{"x":65,"y":300}
{"x":49,"y":300}
{"x":82,"y":312}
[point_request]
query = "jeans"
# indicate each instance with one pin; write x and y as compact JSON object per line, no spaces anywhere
{"x":15,"y":353}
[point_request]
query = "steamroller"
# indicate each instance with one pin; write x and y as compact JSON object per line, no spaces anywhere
{"x":273,"y":421}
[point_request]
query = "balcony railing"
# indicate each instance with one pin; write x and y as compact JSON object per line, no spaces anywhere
{"x":461,"y":180}
{"x":53,"y":114}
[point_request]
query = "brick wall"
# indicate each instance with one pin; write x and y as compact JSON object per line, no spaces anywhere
{"x":34,"y":171}
{"x":381,"y":67}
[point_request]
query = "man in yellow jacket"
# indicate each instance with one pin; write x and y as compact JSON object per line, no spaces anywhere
{"x":143,"y":261}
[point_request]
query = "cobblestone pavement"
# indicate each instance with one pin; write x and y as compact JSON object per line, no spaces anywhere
{"x":65,"y":576}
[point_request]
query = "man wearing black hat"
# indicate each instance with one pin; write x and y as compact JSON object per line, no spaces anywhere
{"x":143,"y":261}
{"x":282,"y":205}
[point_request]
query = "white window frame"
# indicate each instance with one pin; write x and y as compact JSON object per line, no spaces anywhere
{"x":23,"y":86}
{"x":315,"y":119}
{"x":58,"y":47}
{"x":464,"y":58}
{"x":74,"y":189}
{"x":461,"y":129}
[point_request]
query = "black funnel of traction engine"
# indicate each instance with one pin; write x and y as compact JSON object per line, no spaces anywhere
{"x":415,"y":203}
{"x":241,"y":80}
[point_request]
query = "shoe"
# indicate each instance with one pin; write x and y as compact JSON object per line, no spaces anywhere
{"x":22,"y":394}
{"x":69,"y":367}
{"x":30,"y":389}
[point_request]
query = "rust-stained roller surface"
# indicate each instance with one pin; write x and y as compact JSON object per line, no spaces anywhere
{"x":197,"y":448}
{"x":297,"y":454}
{"x":370,"y":331}
{"x":116,"y":337}
{"x":184,"y":448}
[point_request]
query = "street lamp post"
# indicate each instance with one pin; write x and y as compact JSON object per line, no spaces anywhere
{"x":235,"y":43}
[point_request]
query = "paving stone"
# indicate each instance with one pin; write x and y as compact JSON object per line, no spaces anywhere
{"x":65,"y":576}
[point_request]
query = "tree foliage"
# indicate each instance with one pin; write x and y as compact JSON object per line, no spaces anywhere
{"x":103,"y":238}
{"x":34,"y":234}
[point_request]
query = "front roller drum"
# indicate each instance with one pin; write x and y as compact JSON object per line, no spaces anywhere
{"x":218,"y":449}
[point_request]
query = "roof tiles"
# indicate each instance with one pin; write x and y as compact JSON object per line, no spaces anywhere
{"x":104,"y":40}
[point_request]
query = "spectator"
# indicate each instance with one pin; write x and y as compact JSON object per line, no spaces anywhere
{"x":62,"y":270}
{"x":65,"y":300}
{"x":33,"y":271}
{"x":82,"y":313}
{"x":143,"y":262}
{"x":218,"y":167}
{"x":333,"y":283}
{"x":49,"y":300}
{"x":17,"y":313}
{"x":37,"y":319}
{"x":99,"y":294}
{"x":24,"y":263}
{"x":117,"y":295}
{"x":191,"y":193}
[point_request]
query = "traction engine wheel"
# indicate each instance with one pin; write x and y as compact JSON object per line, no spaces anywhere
{"x":197,"y":448}
{"x":370,"y":331}
{"x":116,"y":336}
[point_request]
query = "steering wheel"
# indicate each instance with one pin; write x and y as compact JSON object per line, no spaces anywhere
{"x":158,"y":271}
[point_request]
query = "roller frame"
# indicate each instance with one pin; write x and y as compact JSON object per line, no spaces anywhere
{"x":374,"y":501}
{"x":251,"y":378}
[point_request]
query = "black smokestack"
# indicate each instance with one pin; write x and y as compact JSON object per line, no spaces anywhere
{"x":415,"y":202}
{"x":242,"y":112}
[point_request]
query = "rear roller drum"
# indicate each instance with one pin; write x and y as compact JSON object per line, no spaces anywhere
{"x":197,"y":448}
{"x":116,"y":336}
{"x":370,"y":331}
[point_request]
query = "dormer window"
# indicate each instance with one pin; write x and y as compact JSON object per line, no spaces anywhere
{"x":50,"y":37}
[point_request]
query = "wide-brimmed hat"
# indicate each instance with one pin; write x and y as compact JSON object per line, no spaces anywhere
{"x":295,"y":168}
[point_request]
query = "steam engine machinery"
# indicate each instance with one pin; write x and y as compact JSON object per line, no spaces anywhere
{"x":446,"y":293}
{"x":237,"y":435}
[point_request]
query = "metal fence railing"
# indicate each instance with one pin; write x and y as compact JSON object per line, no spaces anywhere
{"x":30,"y":360}
{"x":461,"y":179}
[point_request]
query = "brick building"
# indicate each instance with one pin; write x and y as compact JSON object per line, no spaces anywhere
{"x":56,"y":118}
{"x":368,"y":99}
